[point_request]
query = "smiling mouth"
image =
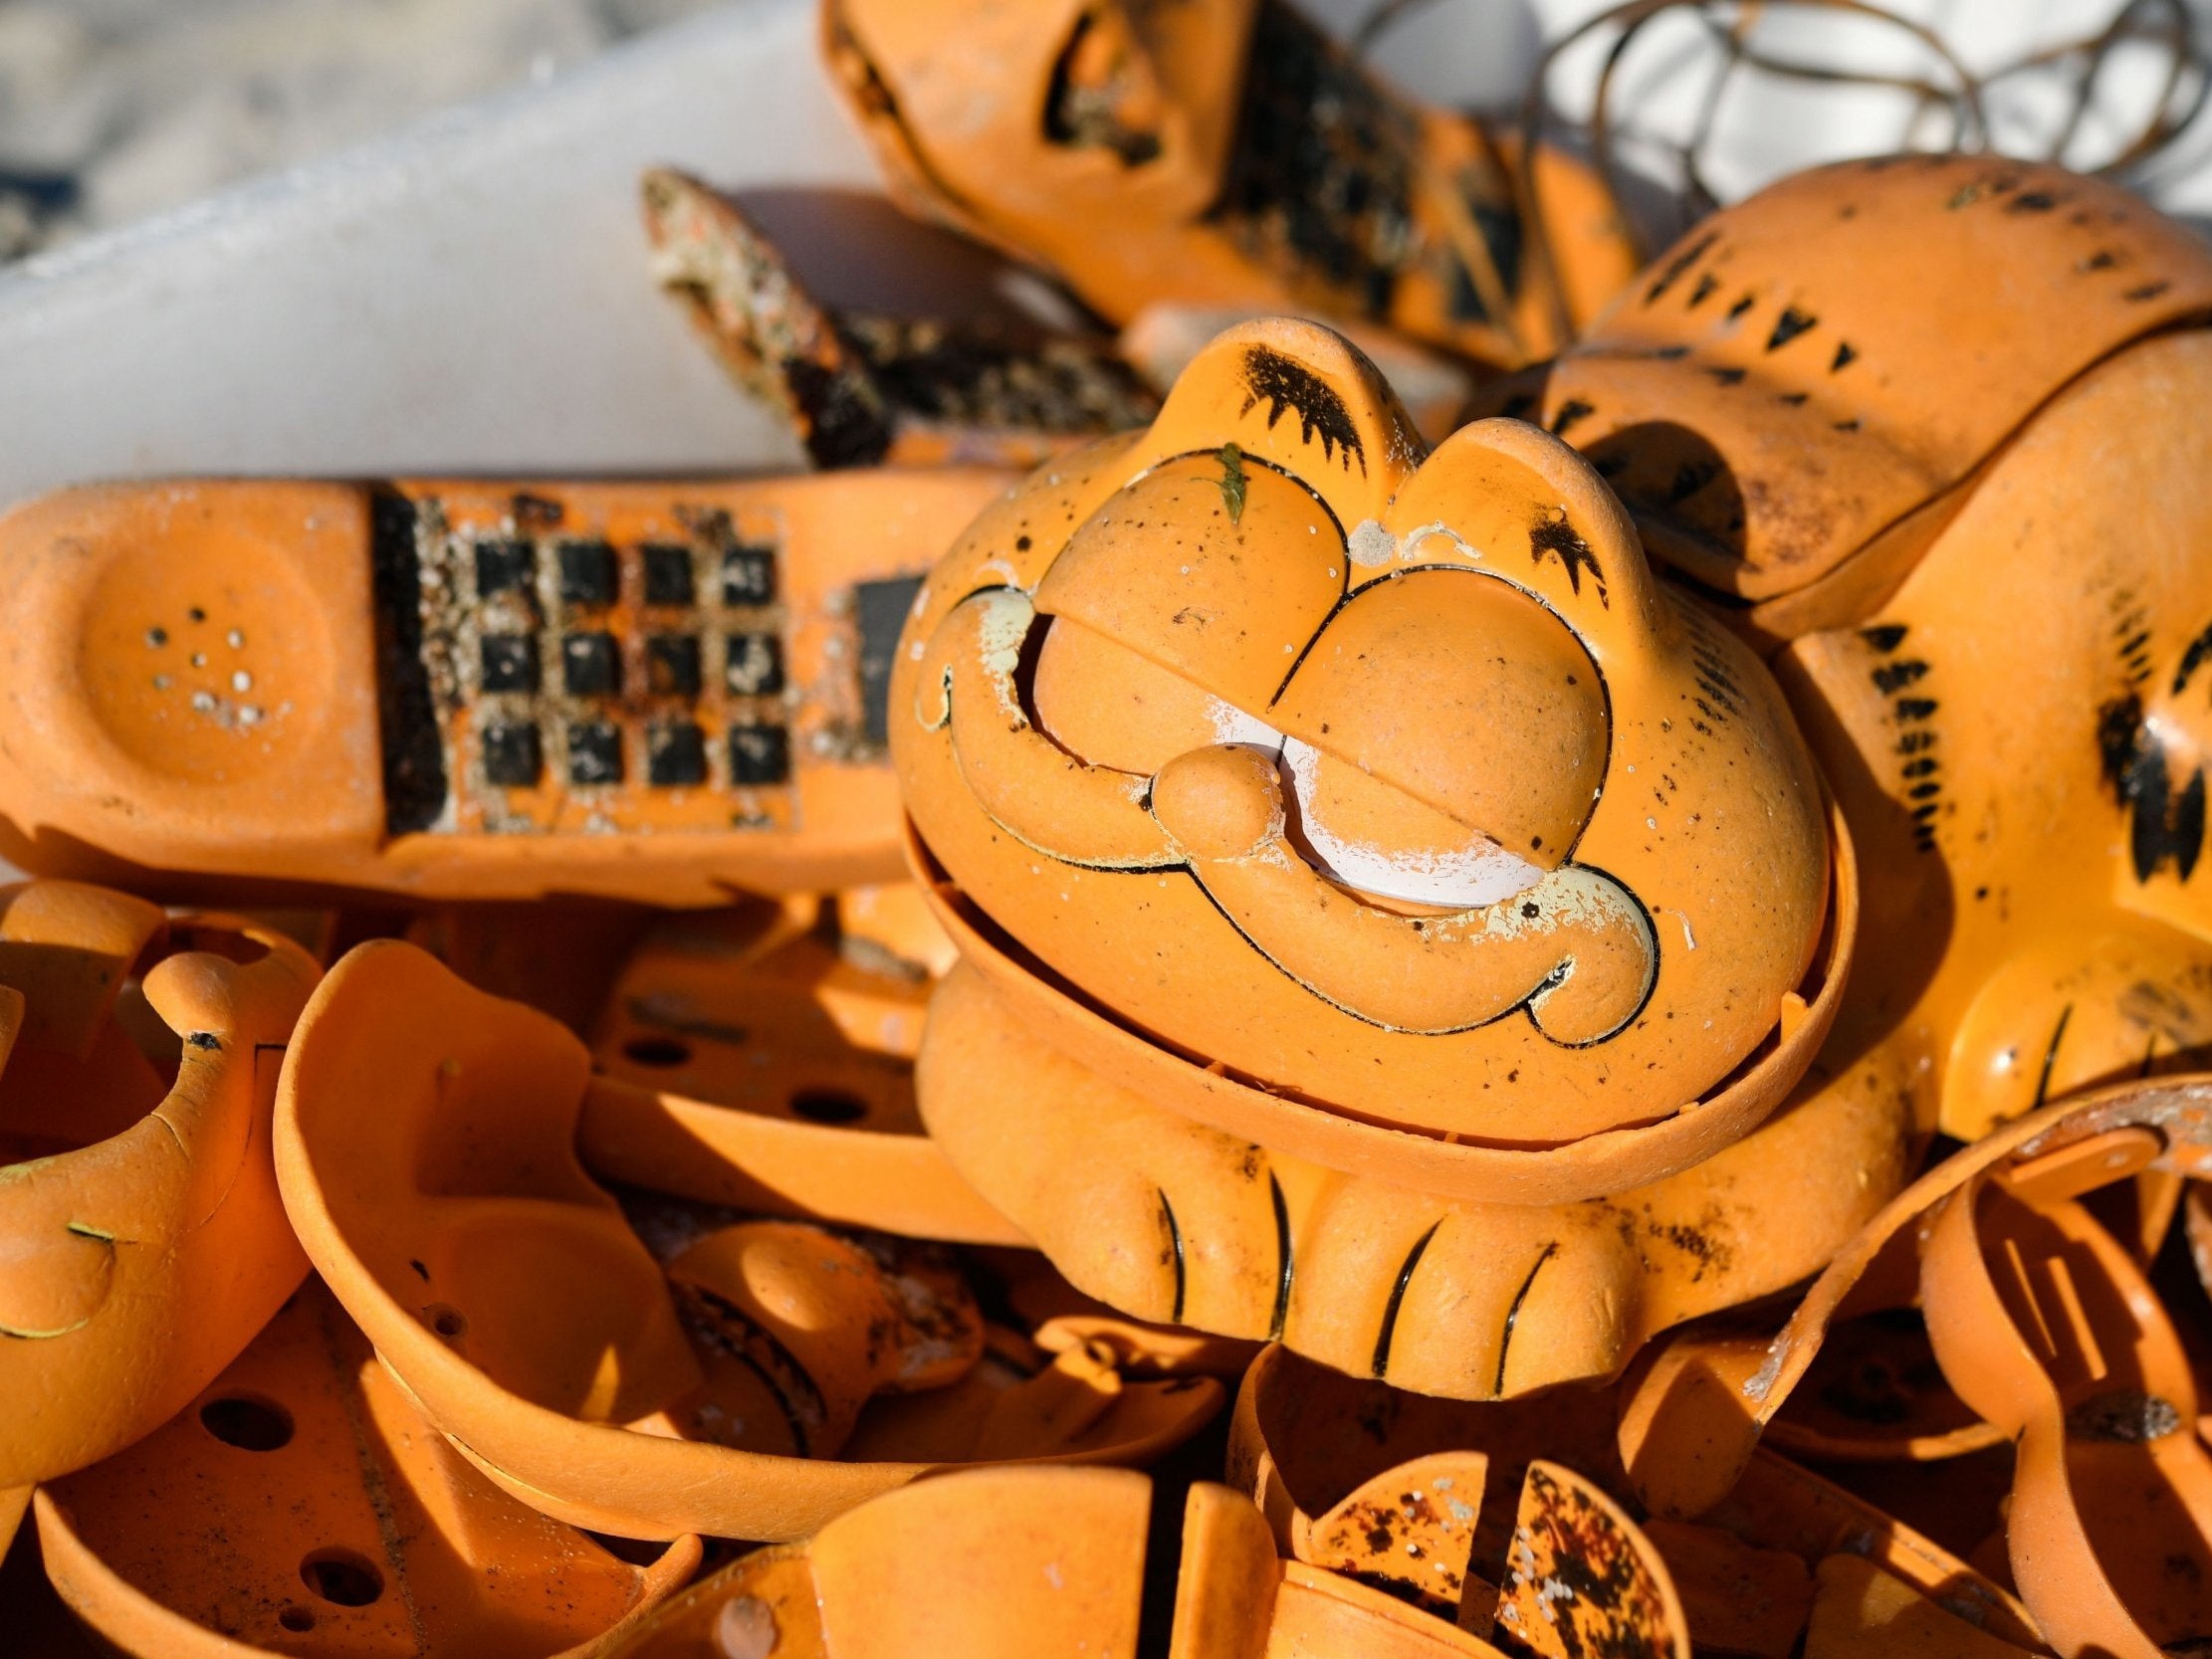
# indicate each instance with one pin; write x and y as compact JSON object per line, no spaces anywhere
{"x":1570,"y":948}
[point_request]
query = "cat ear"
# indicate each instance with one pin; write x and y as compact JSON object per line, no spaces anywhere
{"x":1509,"y":498}
{"x":1299,"y":398}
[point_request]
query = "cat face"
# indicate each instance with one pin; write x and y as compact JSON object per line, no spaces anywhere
{"x":1392,"y":784}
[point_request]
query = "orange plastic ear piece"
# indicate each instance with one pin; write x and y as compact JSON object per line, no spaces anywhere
{"x":1255,"y":958}
{"x":1813,"y":407}
{"x":2046,"y":1327}
{"x":465,"y":689}
{"x":426,"y":1143}
{"x":1690,"y":1424}
{"x":143,"y":1241}
{"x":862,"y":390}
{"x":1194,"y":132}
{"x":301,"y":1505}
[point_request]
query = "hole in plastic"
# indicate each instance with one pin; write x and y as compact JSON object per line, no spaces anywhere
{"x":343,"y":1577}
{"x":657,"y":1051}
{"x":446,"y":1322}
{"x":247,"y":1421}
{"x":828,"y":1106}
{"x":297,"y":1620}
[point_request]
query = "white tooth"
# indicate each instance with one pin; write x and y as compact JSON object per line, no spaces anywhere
{"x":1455,"y":877}
{"x":1232,"y":725}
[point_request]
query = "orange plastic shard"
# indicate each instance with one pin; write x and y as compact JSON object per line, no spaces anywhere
{"x":859,"y":390}
{"x":2048,"y":1329}
{"x":1859,"y":1609}
{"x":1584,"y":1578}
{"x":426,"y":1146}
{"x":1241,"y":157}
{"x":464,"y":690}
{"x":763,"y":1059}
{"x":1363,"y":901}
{"x":143,"y":1241}
{"x":301,"y":1506}
{"x":1690,"y":1423}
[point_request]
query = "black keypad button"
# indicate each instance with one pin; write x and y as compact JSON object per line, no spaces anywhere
{"x":511,"y":756}
{"x":668,"y":579}
{"x":587,"y":574}
{"x":510,"y":662}
{"x":590,"y":665}
{"x":504,"y":567}
{"x":753,"y":664}
{"x":672,"y":664}
{"x":594,"y":753}
{"x":759,"y":755}
{"x":749,"y":576}
{"x":675,"y":753}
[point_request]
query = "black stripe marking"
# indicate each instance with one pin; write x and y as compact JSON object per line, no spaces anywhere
{"x":1383,"y":1337}
{"x":1175,"y":1243}
{"x":1283,"y":1255}
{"x":2051,"y":1053}
{"x":1513,"y":1315}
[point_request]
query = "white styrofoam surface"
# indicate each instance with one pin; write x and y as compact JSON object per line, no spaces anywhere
{"x":469,"y":294}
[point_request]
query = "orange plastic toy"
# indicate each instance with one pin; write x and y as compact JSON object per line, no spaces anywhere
{"x":1384,"y":912}
{"x":1823,"y":407}
{"x":467,"y":689}
{"x":301,"y":1505}
{"x":1240,"y":157}
{"x":142,"y":1239}
{"x":426,"y":1146}
{"x":859,"y":389}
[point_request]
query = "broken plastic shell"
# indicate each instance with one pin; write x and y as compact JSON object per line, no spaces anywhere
{"x":1197,"y":134}
{"x":510,"y":1296}
{"x":2047,"y":1329}
{"x":143,"y":1241}
{"x":1307,"y":1442}
{"x":1697,"y":1408}
{"x":1791,"y":398}
{"x":1583,"y":1578}
{"x":301,"y":1505}
{"x":858,"y":390}
{"x":742,"y":1059}
{"x":465,"y":689}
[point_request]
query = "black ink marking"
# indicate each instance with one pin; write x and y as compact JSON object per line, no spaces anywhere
{"x":1707,"y":285}
{"x":1283,"y":1255}
{"x":1283,"y":385}
{"x":1556,"y":536}
{"x":2193,"y":657}
{"x":1680,"y":264}
{"x":1791,"y":323}
{"x":1884,"y":636}
{"x":2163,"y":824}
{"x":1573,"y":410}
{"x":1845,"y":355}
{"x":1513,"y":1315}
{"x":204,"y":1041}
{"x":2051,"y":1055}
{"x":1383,"y":1337}
{"x":1892,"y":678}
{"x":2148,"y":290}
{"x":1175,"y":1245}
